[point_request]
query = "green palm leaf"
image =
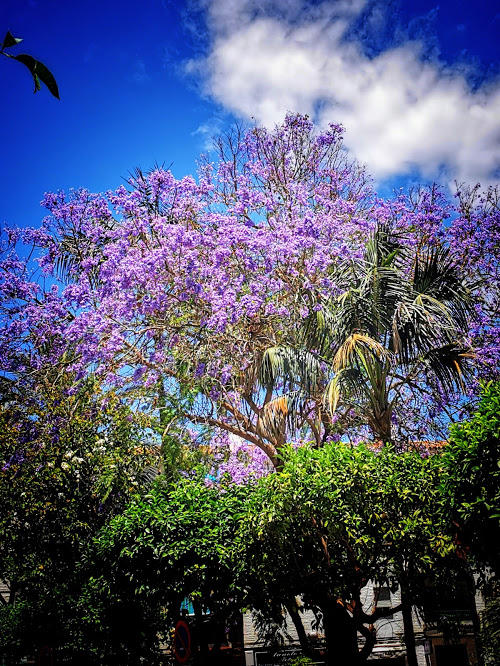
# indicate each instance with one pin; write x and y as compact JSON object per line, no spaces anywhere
{"x":448,"y":364}
{"x":293,"y":367}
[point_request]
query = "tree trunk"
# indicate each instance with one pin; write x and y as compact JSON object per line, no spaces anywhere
{"x":477,"y":632}
{"x":340,"y":635}
{"x":299,"y":627}
{"x":409,"y":634}
{"x":200,"y":635}
{"x":370,"y":635}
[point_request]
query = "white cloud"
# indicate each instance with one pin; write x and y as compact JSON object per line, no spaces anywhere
{"x":401,"y":111}
{"x":208,"y":131}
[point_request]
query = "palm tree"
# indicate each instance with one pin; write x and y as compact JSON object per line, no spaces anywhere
{"x":397,"y":326}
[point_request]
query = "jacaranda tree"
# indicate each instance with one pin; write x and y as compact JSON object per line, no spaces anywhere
{"x":277,"y":298}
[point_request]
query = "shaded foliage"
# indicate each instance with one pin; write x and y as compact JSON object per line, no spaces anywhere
{"x":329,"y":523}
{"x":473,"y":481}
{"x":71,"y":457}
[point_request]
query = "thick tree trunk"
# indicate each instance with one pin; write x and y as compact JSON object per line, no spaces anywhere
{"x":370,"y":635}
{"x":341,"y":636}
{"x":409,"y":634}
{"x":380,"y":424}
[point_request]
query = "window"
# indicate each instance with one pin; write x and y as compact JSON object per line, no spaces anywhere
{"x":383,"y":596}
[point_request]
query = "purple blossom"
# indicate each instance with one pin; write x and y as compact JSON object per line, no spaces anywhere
{"x":200,"y":370}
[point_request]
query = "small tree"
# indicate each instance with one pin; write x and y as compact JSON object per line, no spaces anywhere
{"x":393,"y":334}
{"x":337,"y":518}
{"x":177,"y":542}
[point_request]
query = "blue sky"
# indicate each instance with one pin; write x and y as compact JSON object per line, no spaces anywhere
{"x":416,"y":85}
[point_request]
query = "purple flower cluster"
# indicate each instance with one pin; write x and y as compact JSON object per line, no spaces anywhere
{"x":237,"y":460}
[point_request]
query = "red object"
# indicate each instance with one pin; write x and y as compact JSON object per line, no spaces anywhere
{"x":45,"y":656}
{"x":182,"y":642}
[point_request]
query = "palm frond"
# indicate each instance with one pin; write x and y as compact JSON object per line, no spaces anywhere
{"x":418,"y":326}
{"x":449,"y":365}
{"x":357,"y":344}
{"x":346,"y":385}
{"x":151,"y":202}
{"x":295,"y":367}
{"x":149,"y":474}
{"x":317,"y":330}
{"x":74,"y":247}
{"x":370,"y":291}
{"x":8,"y":389}
{"x":383,"y":286}
{"x":385,"y":248}
{"x":284,"y":412}
{"x":436,"y":277}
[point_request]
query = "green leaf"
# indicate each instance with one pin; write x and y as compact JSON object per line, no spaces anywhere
{"x":46,"y":77}
{"x":39,"y":73}
{"x":10,"y":40}
{"x":27,"y":60}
